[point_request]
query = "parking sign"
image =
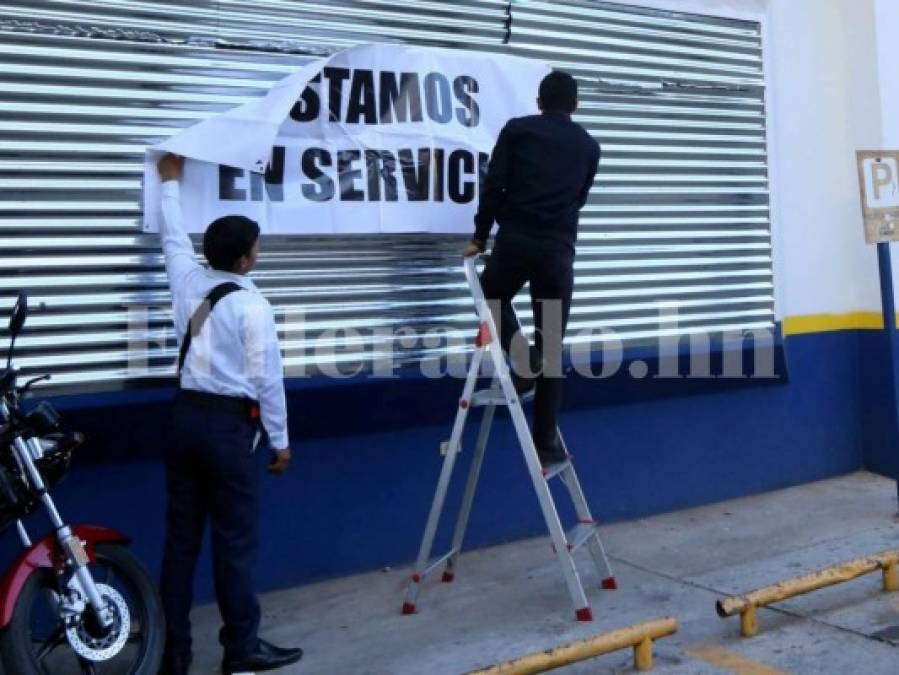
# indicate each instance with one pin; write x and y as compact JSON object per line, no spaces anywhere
{"x":878,"y":176}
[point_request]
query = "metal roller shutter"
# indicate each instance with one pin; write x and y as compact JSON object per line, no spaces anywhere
{"x":679,"y":213}
{"x":678,"y":220}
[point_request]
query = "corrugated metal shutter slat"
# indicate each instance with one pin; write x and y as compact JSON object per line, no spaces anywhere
{"x":678,"y":218}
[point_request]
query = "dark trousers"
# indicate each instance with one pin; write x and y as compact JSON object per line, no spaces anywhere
{"x":211,"y":474}
{"x":549,"y":268}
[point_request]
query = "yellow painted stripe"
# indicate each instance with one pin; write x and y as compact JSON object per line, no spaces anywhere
{"x":819,"y":323}
{"x":726,"y":660}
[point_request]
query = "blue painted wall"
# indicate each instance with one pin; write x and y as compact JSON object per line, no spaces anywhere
{"x":878,"y":404}
{"x":364,"y":474}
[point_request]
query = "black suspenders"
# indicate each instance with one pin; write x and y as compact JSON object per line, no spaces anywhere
{"x":201,"y":314}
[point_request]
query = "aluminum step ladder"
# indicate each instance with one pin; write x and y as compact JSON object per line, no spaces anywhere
{"x":502,"y":392}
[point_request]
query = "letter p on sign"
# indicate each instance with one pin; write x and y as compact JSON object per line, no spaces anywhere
{"x":878,"y":174}
{"x":882,"y":182}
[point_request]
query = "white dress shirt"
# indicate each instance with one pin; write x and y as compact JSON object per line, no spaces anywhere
{"x":236,"y":352}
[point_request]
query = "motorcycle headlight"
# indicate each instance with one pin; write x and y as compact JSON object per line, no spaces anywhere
{"x":57,"y":455}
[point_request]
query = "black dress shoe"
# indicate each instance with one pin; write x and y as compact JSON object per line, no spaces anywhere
{"x":552,"y":452}
{"x":266,"y":656}
{"x":175,"y":665}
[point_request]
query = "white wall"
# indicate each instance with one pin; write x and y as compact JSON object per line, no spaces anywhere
{"x":887,"y":16}
{"x":825,"y":105}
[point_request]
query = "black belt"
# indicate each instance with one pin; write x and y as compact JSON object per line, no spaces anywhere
{"x":235,"y":404}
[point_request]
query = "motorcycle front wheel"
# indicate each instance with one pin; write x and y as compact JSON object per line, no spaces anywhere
{"x":36,"y":641}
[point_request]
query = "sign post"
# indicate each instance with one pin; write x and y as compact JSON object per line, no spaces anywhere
{"x":878,"y":175}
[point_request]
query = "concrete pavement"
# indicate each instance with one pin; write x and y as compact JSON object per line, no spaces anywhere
{"x":510,"y":600}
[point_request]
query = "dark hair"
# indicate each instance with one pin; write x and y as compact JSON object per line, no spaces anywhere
{"x":558,"y":91}
{"x":227,"y":239}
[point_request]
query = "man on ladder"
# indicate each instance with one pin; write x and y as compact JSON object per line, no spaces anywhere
{"x":539,"y":177}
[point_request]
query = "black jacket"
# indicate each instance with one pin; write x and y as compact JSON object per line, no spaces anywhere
{"x":539,"y":177}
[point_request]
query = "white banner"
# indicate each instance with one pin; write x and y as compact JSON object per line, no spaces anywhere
{"x":377,"y":138}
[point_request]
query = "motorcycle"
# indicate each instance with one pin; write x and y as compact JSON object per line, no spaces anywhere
{"x":78,"y":600}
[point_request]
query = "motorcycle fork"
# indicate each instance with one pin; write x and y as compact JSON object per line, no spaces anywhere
{"x":71,"y":546}
{"x":51,"y":595}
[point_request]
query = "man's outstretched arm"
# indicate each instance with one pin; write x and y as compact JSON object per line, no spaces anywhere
{"x":493,"y":191}
{"x":180,"y":258}
{"x":591,"y":175}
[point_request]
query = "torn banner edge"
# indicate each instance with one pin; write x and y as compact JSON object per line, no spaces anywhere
{"x":243,"y":149}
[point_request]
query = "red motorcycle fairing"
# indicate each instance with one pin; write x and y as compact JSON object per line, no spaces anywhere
{"x":46,"y":553}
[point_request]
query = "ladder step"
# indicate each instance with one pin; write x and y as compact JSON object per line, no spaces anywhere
{"x":495,"y":396}
{"x":579,"y":535}
{"x":434,"y":564}
{"x":553,"y":470}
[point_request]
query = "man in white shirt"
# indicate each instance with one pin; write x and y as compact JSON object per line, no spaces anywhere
{"x":231,"y":380}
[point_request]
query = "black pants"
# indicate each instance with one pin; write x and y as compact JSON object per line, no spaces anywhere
{"x":549,"y":267}
{"x":211,"y":474}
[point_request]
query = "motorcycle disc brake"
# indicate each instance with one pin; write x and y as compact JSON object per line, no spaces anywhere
{"x":94,"y":643}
